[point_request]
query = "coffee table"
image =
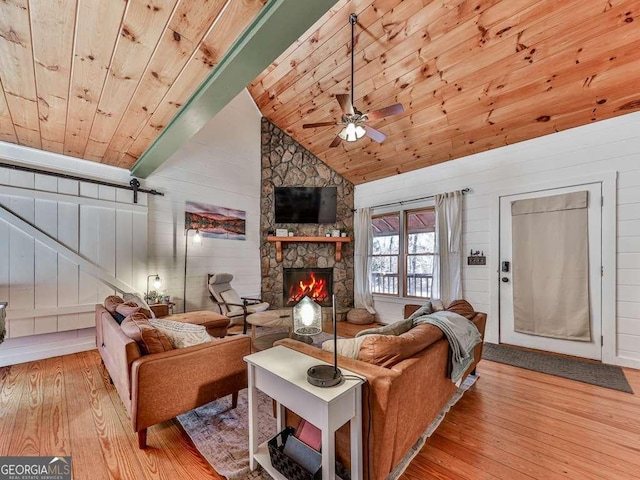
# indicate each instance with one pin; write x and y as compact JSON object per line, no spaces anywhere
{"x":273,"y":319}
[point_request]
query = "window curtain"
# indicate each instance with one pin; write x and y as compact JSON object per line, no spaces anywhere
{"x":362,"y":260}
{"x":447,"y":268}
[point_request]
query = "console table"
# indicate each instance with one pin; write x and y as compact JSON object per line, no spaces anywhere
{"x":281,"y":373}
{"x":338,"y":241}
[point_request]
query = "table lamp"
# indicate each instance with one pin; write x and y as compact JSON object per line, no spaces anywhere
{"x":307,"y":320}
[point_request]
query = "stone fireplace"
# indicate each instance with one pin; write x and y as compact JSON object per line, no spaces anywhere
{"x":315,"y":283}
{"x":285,"y":163}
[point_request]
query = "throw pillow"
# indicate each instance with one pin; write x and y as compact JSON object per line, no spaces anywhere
{"x":128,"y":308}
{"x":347,"y":347}
{"x":387,"y":350}
{"x":423,"y":310}
{"x":437,"y":305}
{"x":132,"y":297}
{"x":118,"y":317}
{"x":181,"y":335}
{"x":149,"y":339}
{"x":462,"y":307}
{"x":396,"y":328}
{"x":111,"y":302}
{"x":231,"y":296}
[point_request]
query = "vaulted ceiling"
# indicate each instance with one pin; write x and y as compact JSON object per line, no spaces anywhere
{"x":101,"y":79}
{"x":472,"y":75}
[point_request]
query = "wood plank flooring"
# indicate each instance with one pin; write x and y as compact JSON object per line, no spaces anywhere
{"x":512,"y":424}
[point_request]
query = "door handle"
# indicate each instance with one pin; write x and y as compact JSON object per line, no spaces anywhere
{"x":505,"y":279}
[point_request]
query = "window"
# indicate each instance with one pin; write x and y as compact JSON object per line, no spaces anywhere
{"x":385,"y":254}
{"x":408,"y":235}
{"x":419,"y":251}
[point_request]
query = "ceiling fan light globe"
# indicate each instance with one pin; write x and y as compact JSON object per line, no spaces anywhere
{"x":360,"y":131}
{"x":350,"y":132}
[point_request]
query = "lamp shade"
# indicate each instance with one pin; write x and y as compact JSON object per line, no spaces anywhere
{"x":157,"y":283}
{"x":307,"y":317}
{"x":352,"y":132}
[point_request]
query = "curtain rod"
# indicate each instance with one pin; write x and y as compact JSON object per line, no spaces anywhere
{"x":134,"y":184}
{"x":402,"y":202}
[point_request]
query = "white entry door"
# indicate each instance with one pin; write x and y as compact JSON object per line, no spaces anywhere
{"x":508,"y":335}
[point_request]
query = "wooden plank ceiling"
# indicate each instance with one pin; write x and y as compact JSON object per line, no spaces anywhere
{"x":99,"y":79}
{"x":472,"y":75}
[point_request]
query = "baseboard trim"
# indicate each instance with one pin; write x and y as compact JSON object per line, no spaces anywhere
{"x":12,"y":358}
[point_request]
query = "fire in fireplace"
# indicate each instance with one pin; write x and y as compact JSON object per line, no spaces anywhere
{"x":315,"y":283}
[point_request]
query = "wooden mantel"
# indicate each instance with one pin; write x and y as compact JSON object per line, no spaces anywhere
{"x":338,"y":241}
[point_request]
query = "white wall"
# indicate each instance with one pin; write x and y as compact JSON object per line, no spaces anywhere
{"x":606,"y":146}
{"x":86,"y":235}
{"x":219,"y":166}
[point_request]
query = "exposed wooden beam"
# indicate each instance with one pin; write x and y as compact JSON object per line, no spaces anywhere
{"x":278,"y":25}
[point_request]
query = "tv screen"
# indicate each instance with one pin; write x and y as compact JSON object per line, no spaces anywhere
{"x":306,"y":204}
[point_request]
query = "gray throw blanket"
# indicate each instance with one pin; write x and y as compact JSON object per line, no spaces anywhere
{"x":462,"y":335}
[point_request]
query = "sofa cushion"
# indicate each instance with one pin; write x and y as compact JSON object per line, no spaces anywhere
{"x":388,"y":350}
{"x":180,"y":334}
{"x":111,"y":302}
{"x":347,"y":347}
{"x":150,"y":340}
{"x":396,"y":328}
{"x":462,"y":307}
{"x":132,"y":297}
{"x":129,"y":308}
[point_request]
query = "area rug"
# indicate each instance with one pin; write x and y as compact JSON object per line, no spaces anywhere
{"x":221,"y":433}
{"x":608,"y":376}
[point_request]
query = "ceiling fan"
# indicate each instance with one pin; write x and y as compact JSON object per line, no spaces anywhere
{"x":354,"y":121}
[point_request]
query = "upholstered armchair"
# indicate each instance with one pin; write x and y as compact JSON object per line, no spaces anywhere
{"x":231,"y":304}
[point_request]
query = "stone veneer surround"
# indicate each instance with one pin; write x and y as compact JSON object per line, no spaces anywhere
{"x":285,"y":163}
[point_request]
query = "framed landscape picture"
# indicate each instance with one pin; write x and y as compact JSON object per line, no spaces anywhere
{"x":216,"y":222}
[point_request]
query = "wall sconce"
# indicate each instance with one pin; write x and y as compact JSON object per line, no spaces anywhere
{"x":157,"y":283}
{"x":197,"y":239}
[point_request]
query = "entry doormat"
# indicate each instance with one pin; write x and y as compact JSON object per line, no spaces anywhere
{"x":607,"y":376}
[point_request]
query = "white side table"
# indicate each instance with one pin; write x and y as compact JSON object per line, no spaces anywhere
{"x":281,"y":373}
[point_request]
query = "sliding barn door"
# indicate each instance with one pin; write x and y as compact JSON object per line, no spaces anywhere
{"x":64,"y":246}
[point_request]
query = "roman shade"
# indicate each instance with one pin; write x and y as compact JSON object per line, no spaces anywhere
{"x":551,"y":266}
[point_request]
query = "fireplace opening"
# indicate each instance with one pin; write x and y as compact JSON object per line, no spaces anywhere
{"x":315,"y":283}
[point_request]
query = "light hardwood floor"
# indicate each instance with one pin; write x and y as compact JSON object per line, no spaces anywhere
{"x":511,"y":424}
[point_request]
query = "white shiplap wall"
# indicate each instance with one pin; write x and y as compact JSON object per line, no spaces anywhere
{"x":220,"y":166}
{"x":607,"y":146}
{"x":49,"y":276}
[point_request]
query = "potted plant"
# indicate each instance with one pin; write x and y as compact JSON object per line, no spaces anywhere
{"x":291,"y":231}
{"x":344,"y":232}
{"x":151,"y":297}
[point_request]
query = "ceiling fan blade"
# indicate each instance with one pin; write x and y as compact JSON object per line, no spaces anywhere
{"x":319,"y":124}
{"x":336,"y":142}
{"x":374,"y":134}
{"x":396,"y":109}
{"x":344,"y":99}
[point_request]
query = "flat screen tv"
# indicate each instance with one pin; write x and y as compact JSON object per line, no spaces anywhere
{"x":306,"y":204}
